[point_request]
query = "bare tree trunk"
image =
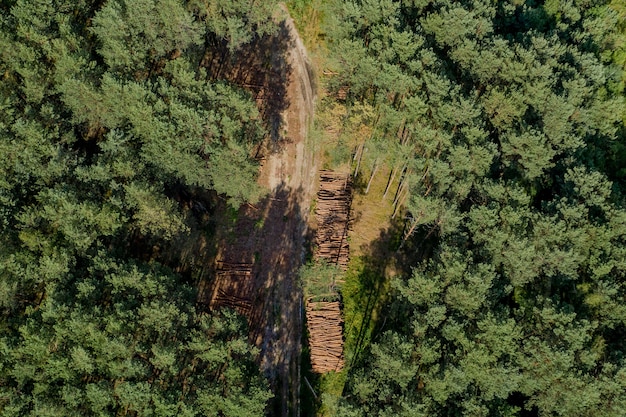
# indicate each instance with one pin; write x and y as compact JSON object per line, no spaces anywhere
{"x":412,"y":229}
{"x":430,"y":187}
{"x":392,"y":176}
{"x":400,"y":202}
{"x":369,"y":183}
{"x":359,"y":153}
{"x":432,"y":229}
{"x":403,"y":192}
{"x":425,"y":173}
{"x":408,"y":233}
{"x":399,"y":195}
{"x":358,"y":156}
{"x":308,"y":384}
{"x":400,"y":184}
{"x":398,"y":192}
{"x":356,"y":152}
{"x":406,"y":134}
{"x":400,"y":133}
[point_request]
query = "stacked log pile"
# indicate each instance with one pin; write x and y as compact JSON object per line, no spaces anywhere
{"x":234,"y":287}
{"x":332,"y":215}
{"x":324,"y":318}
{"x":326,"y":336}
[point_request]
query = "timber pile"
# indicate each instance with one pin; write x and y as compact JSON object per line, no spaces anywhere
{"x":234,"y":287}
{"x":333,"y":215}
{"x":324,"y":318}
{"x":325,"y":335}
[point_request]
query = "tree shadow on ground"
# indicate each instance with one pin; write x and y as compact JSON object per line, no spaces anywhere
{"x":188,"y":253}
{"x":262,"y":68}
{"x":366,"y":291}
{"x":270,"y":236}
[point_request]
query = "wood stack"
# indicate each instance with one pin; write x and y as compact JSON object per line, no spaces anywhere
{"x":333,"y":215}
{"x":325,"y":336}
{"x":324,"y":318}
{"x":234,"y":287}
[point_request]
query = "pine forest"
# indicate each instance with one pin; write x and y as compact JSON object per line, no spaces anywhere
{"x":316,"y":208}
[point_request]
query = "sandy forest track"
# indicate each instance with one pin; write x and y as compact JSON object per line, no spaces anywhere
{"x":269,"y":238}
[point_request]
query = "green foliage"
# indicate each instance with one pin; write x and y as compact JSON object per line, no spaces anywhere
{"x":321,"y":281}
{"x":124,"y":341}
{"x":135,"y":34}
{"x":502,"y":121}
{"x":109,"y":123}
{"x":237,"y":21}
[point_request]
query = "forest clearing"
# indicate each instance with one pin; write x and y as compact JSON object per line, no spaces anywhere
{"x":256,"y":272}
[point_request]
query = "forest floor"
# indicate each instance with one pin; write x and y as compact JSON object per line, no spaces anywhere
{"x":271,"y":235}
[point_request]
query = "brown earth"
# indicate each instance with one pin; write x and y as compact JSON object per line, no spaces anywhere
{"x":265,"y":246}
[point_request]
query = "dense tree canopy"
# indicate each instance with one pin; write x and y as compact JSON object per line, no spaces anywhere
{"x":108,"y":111}
{"x":125,"y":340}
{"x":503,"y":120}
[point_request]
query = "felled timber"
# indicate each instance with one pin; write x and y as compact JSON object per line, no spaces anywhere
{"x":333,"y":217}
{"x":324,"y":318}
{"x":234,"y":287}
{"x":325,"y":324}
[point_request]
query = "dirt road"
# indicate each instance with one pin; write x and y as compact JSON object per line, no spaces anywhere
{"x":271,"y":236}
{"x":290,"y":173}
